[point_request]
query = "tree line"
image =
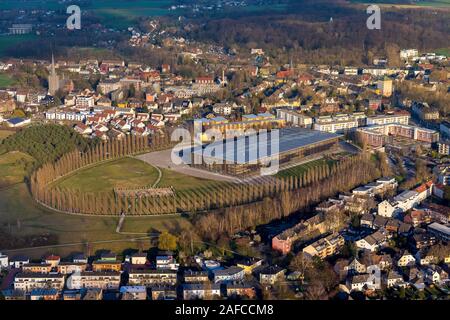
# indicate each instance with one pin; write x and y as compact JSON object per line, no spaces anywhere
{"x":347,"y":174}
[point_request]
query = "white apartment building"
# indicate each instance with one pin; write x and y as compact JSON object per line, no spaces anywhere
{"x":29,"y":281}
{"x":85,"y":101}
{"x":339,"y":122}
{"x":295,"y":118}
{"x":192,"y":291}
{"x":389,"y":118}
{"x":90,"y":280}
{"x":152,"y":277}
{"x":406,"y":54}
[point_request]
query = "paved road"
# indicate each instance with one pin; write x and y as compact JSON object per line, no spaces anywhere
{"x":162,"y":159}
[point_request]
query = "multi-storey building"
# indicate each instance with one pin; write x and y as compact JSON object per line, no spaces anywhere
{"x":325,"y":247}
{"x":295,"y":118}
{"x":398,"y":117}
{"x":193,"y":291}
{"x":71,"y":267}
{"x":376,"y":135}
{"x":29,"y":281}
{"x":92,"y":279}
{"x":102,"y":265}
{"x":338,"y":123}
{"x":37,"y":267}
{"x":152,"y":277}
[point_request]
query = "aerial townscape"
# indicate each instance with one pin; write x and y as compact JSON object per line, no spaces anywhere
{"x":224,"y":150}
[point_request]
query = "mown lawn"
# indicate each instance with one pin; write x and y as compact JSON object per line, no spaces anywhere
{"x":13,"y":167}
{"x":5,"y":81}
{"x":300,"y":169}
{"x":126,"y":172}
{"x":183,"y":182}
{"x":20,"y":215}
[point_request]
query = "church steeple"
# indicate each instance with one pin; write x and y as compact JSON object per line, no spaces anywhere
{"x":53,"y":79}
{"x":53,"y":65}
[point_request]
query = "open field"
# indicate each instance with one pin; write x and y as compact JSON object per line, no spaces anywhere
{"x":13,"y":167}
{"x":8,"y":41}
{"x":5,"y":81}
{"x":300,"y":169}
{"x":444,"y":51}
{"x":126,"y":172}
{"x":129,"y":173}
{"x":20,"y":215}
{"x":183,"y":182}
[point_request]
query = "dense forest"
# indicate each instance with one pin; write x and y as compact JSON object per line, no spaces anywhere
{"x":307,"y":33}
{"x":348,"y":174}
{"x":46,"y":143}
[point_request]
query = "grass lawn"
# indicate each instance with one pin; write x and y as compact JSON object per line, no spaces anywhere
{"x":182,"y":182}
{"x":20,"y":215}
{"x":300,"y":169}
{"x":12,"y":167}
{"x":444,"y":51}
{"x":6,"y":80}
{"x":126,"y":172}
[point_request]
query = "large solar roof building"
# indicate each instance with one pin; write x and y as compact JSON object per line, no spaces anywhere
{"x":246,"y":155}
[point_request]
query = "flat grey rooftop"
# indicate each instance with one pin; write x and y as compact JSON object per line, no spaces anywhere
{"x":257,"y":147}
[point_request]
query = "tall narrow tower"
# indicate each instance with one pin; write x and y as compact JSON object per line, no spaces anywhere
{"x":53,"y":79}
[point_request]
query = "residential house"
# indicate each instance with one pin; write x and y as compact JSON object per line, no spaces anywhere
{"x":436,"y":275}
{"x":53,"y":260}
{"x":271,"y":275}
{"x":194,"y":291}
{"x":355,"y":267}
{"x":166,"y":260}
{"x":406,"y":260}
{"x":360,"y":282}
{"x":139,"y":258}
{"x":44,"y":294}
{"x":71,"y":267}
{"x":374,"y":241}
{"x":394,"y":279}
{"x":163,"y":292}
{"x":367,"y":220}
{"x":423,"y":240}
{"x":425,"y":258}
{"x":133,"y":292}
{"x":241,"y":289}
{"x":18,"y":261}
